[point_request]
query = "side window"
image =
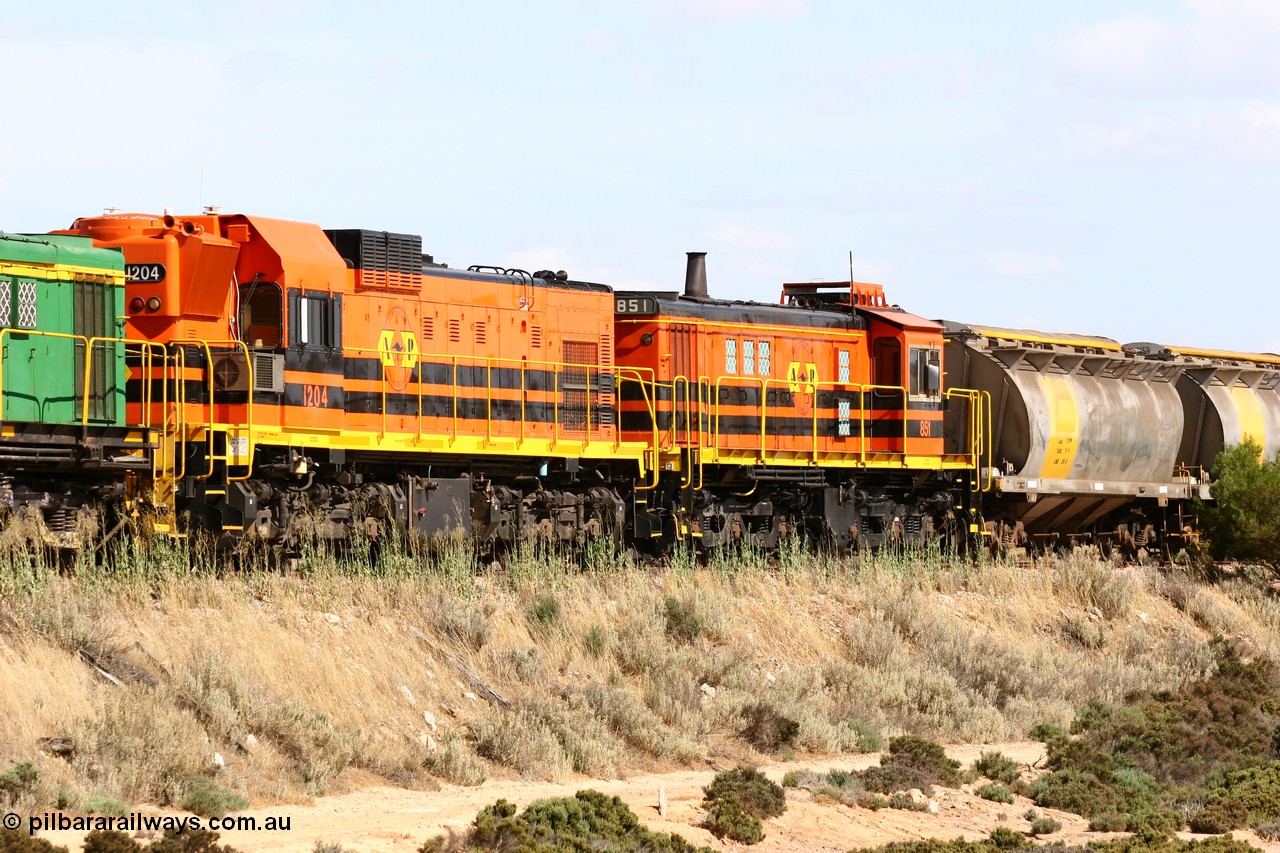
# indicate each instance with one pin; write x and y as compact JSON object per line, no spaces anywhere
{"x":261,"y":315}
{"x":888,"y":361}
{"x":926,"y":371}
{"x":730,"y":355}
{"x":748,"y":358}
{"x":763,"y":362}
{"x":842,"y":366}
{"x":315,"y":322}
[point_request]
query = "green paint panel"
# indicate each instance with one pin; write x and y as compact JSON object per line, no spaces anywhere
{"x":43,"y":376}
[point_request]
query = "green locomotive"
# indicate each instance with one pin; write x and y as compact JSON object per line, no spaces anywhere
{"x":65,"y":439}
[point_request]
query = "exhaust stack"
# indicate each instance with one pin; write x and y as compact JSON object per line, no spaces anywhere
{"x":695,"y":276}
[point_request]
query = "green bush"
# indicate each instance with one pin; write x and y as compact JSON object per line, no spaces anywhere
{"x":1044,"y":826}
{"x":189,"y":841}
{"x":1108,"y":822}
{"x":105,"y":806}
{"x":1004,"y":838}
{"x":1256,"y":788}
{"x":545,"y":610}
{"x":683,"y":621}
{"x":726,"y":818}
{"x":923,"y":755}
{"x":996,"y":793}
{"x":17,"y":841}
{"x":1135,"y":767}
{"x":1049,"y":733}
{"x":842,"y":779}
{"x":588,"y":820}
{"x":756,"y":795}
{"x":1243,"y":522}
{"x":791,"y":779}
{"x":595,"y":640}
{"x":997,"y":768}
{"x":888,"y":778}
{"x":18,"y":781}
{"x":207,"y":798}
{"x":110,"y":841}
{"x":1222,"y":816}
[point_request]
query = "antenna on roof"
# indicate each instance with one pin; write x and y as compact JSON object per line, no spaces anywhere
{"x":851,"y":265}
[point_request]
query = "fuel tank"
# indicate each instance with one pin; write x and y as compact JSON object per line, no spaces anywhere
{"x":1080,"y":428}
{"x":1227,"y":397}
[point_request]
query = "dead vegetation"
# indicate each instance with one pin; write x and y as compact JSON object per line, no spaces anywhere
{"x":422,"y":670}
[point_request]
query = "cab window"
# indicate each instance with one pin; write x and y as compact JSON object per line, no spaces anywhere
{"x":261,"y":315}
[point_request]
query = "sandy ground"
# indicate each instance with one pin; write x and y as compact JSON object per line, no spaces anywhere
{"x":394,"y":820}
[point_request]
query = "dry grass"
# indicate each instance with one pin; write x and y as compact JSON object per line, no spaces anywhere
{"x":311,"y":684}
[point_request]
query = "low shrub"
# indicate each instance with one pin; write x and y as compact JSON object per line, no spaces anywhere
{"x":588,"y":820}
{"x":925,"y":756}
{"x":1219,"y":817}
{"x":874,"y":802}
{"x":1108,"y":822}
{"x":105,"y":806}
{"x":110,"y":841}
{"x":766,"y":728}
{"x":17,"y":841}
{"x":888,"y":778}
{"x":1256,"y":788}
{"x":904,"y":801}
{"x":726,"y":818}
{"x":996,"y":793}
{"x":683,"y":621}
{"x":18,"y":781}
{"x":189,"y":841}
{"x":754,"y":792}
{"x":1044,"y":826}
{"x":997,"y":768}
{"x":207,"y":798}
{"x":595,"y":640}
{"x":545,"y":610}
{"x":1048,"y":733}
{"x":1004,"y":838}
{"x":456,"y":763}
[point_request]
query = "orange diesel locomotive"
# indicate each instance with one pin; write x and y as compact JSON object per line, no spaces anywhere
{"x":821,"y":415}
{"x":316,"y":380}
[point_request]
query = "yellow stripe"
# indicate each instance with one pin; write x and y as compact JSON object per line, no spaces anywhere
{"x":1064,"y":420}
{"x":1249,"y":412}
{"x":1046,"y":338}
{"x":1227,"y":355}
{"x":64,"y":272}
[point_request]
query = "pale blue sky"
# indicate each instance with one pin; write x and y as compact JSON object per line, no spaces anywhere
{"x":1094,"y":167}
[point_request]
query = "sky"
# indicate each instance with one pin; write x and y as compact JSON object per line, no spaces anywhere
{"x":1106,"y":168}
